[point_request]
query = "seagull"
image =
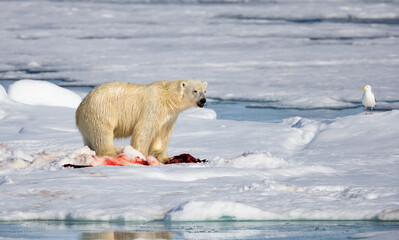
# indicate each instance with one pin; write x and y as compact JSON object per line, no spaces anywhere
{"x":368,"y":98}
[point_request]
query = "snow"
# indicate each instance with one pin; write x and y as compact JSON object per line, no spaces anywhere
{"x":43,"y":93}
{"x":388,"y":235}
{"x":297,"y":169}
{"x":203,"y":113}
{"x":3,"y":93}
{"x":342,"y":168}
{"x":217,"y":210}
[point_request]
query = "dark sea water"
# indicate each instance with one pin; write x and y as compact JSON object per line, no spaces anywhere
{"x":196,"y":230}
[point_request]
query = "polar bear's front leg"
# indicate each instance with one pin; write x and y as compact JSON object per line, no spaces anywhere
{"x":140,"y":143}
{"x":159,"y":148}
{"x":104,"y":144}
{"x":159,"y":145}
{"x":141,"y":138}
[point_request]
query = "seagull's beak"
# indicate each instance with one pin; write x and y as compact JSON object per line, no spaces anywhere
{"x":362,"y":88}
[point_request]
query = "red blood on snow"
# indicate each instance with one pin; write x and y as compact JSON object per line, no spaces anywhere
{"x":183,"y":158}
{"x":124,"y":160}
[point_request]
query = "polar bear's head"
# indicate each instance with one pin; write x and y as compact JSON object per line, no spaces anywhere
{"x":194,"y":92}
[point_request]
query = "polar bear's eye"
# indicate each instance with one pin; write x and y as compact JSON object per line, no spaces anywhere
{"x":195,"y":91}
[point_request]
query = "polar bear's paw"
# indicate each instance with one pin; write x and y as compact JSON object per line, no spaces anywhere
{"x":152,"y":161}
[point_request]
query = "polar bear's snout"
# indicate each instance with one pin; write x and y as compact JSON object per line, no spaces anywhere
{"x":202,"y":100}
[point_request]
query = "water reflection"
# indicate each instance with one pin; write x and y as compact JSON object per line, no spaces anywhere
{"x":224,"y":230}
{"x":111,"y":235}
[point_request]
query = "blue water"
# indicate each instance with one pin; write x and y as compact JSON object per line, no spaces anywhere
{"x":192,"y":230}
{"x":245,"y":111}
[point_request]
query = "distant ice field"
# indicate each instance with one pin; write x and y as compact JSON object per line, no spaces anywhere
{"x":296,"y":54}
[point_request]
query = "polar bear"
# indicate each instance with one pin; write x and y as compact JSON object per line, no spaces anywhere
{"x":146,"y":113}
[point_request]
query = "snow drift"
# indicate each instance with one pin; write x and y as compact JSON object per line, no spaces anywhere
{"x":35,"y":92}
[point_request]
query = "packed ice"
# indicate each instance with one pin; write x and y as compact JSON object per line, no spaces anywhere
{"x":340,"y":169}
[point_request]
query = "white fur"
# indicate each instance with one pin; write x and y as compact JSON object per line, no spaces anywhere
{"x":146,"y":113}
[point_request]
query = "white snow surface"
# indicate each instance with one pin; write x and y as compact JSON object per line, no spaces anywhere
{"x":298,"y":169}
{"x":3,"y":93}
{"x":317,"y":54}
{"x":35,"y":92}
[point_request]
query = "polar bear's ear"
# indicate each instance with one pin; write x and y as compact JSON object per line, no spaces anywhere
{"x":182,"y":87}
{"x":205,"y":84}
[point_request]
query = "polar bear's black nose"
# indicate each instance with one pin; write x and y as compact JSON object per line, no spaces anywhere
{"x":203,"y":100}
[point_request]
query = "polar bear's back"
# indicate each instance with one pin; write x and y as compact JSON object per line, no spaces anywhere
{"x":112,"y":105}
